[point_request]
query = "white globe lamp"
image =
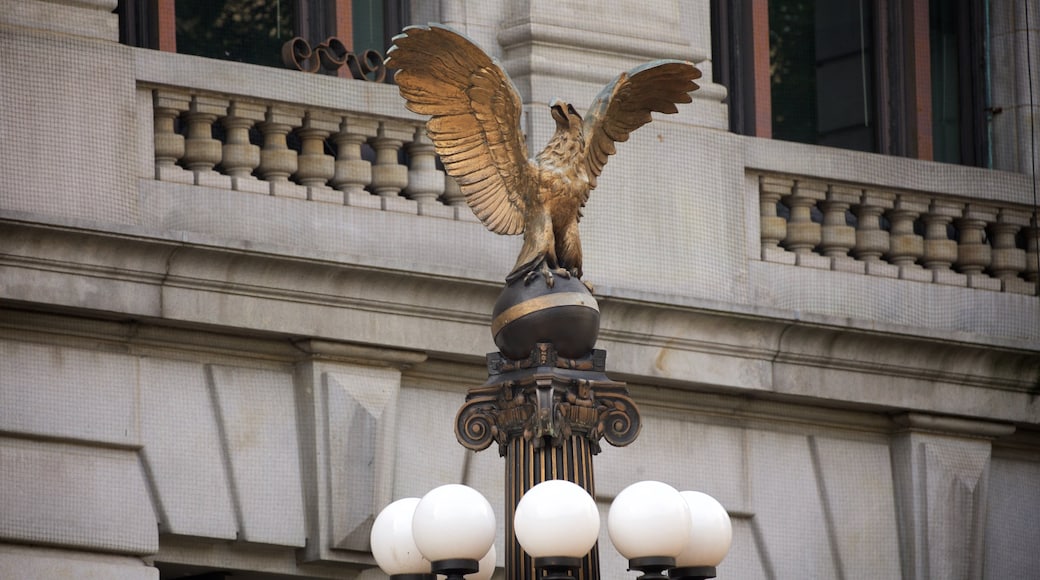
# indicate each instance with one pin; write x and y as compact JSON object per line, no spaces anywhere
{"x":649,"y":523}
{"x":557,"y":523}
{"x":711,"y":534}
{"x":392,"y":544}
{"x":453,"y":527}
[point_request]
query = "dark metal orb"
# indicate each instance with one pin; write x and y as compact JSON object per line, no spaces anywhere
{"x":565,"y":315}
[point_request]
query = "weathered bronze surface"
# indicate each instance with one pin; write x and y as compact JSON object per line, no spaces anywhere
{"x":475,"y":127}
{"x":547,"y":413}
{"x":545,"y":400}
{"x":565,"y":314}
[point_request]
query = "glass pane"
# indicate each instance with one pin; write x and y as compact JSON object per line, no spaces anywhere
{"x":368,"y":26}
{"x":792,"y":69}
{"x":945,"y":44}
{"x":821,"y":69}
{"x":250,"y":31}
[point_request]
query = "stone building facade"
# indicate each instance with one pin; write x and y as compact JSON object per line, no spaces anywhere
{"x":224,"y":358}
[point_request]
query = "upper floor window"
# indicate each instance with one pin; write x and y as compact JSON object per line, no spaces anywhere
{"x":900,"y":77}
{"x":254,"y":31}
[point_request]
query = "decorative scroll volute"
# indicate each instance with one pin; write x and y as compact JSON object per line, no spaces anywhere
{"x":619,"y":422}
{"x":546,"y":400}
{"x":476,"y":423}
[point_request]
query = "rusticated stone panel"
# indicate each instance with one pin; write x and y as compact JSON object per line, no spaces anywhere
{"x":256,"y":417}
{"x":182,"y":447}
{"x":92,"y":499}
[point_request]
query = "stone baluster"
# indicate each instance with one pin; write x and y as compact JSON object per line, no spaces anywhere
{"x":201,"y":151}
{"x":240,"y":157}
{"x":315,"y":167}
{"x":389,"y":177}
{"x":425,"y":181}
{"x":1032,"y":271}
{"x":456,"y":200}
{"x":837,"y":237}
{"x":973,"y":252}
{"x":353,"y":174}
{"x":906,"y":248}
{"x":277,"y":160}
{"x":940,"y":252}
{"x":452,"y":195}
{"x":1008,"y":260}
{"x":169,"y":145}
{"x":872,"y":241}
{"x":802,"y":233}
{"x":772,"y":227}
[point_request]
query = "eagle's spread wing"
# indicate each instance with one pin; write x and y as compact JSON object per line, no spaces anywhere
{"x":625,"y":104}
{"x":475,"y":120}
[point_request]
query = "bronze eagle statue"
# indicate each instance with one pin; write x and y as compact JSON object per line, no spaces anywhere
{"x":474,"y":124}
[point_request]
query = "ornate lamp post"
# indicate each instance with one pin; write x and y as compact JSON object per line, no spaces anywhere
{"x":548,"y":412}
{"x":547,"y":401}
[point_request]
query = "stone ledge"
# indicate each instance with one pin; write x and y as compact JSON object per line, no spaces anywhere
{"x":665,"y":340}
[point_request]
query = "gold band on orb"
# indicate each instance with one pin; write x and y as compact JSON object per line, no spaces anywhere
{"x":541,"y":303}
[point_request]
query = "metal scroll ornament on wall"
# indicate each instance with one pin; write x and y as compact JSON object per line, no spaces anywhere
{"x":330,"y":55}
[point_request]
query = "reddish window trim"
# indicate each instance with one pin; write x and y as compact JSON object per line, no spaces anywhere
{"x":761,"y":90}
{"x":166,"y":16}
{"x":919,"y":85}
{"x":345,"y":30}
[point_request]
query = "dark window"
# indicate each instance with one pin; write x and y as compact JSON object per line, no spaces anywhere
{"x":958,"y":69}
{"x":900,"y":77}
{"x":250,"y":31}
{"x":821,"y":70}
{"x":254,"y":31}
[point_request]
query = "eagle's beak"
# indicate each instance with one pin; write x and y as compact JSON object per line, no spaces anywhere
{"x":559,"y":111}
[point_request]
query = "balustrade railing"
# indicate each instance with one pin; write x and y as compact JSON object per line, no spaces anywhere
{"x":898,"y":234}
{"x":302,"y":152}
{"x":346,"y":157}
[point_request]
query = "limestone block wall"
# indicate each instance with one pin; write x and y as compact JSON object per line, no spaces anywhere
{"x":274,"y":455}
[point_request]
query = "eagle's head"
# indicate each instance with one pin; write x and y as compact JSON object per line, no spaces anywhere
{"x":567,"y":119}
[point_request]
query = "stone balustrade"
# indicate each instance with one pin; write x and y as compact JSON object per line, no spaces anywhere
{"x":298,"y":151}
{"x":314,"y":153}
{"x":907,"y":235}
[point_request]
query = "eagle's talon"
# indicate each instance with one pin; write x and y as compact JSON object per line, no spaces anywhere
{"x":545,"y":272}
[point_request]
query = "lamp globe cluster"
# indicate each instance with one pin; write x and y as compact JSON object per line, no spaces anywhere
{"x":662,"y":532}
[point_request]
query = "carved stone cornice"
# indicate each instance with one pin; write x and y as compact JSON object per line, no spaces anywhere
{"x":937,"y":424}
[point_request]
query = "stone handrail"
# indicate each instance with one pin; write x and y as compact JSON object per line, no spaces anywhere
{"x":256,"y":130}
{"x":326,"y":162}
{"x":910,"y":235}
